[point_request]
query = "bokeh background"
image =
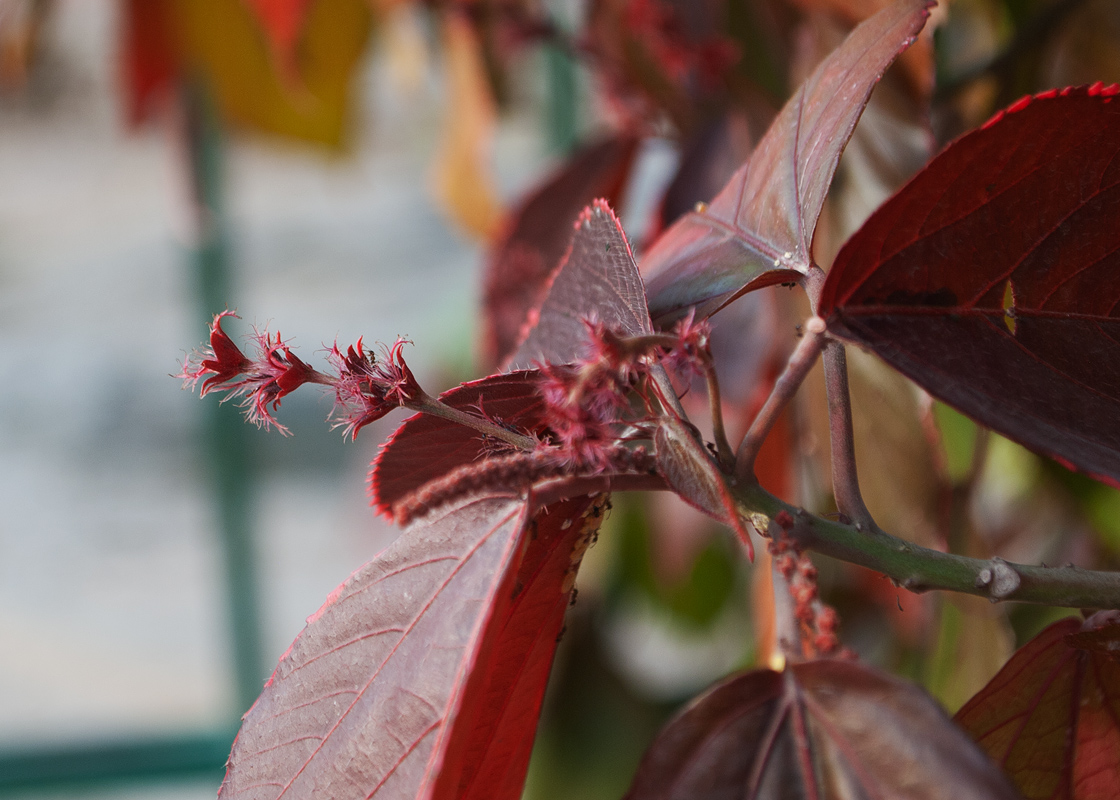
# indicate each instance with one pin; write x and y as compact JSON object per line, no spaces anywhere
{"x":339,"y":168}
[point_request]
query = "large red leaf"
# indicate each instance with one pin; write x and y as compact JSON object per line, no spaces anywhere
{"x":425,"y":447}
{"x":993,"y":278}
{"x":539,"y":232}
{"x":759,"y":229}
{"x":1051,"y":717}
{"x":422,"y":676}
{"x":828,"y":730}
{"x":598,"y":280}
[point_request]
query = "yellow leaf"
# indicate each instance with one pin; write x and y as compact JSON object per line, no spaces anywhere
{"x":461,"y":173}
{"x":223,"y":42}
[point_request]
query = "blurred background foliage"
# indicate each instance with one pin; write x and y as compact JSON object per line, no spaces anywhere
{"x":666,"y":602}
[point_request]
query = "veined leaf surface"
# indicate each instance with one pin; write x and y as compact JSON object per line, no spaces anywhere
{"x":830,"y":730}
{"x":992,"y":279}
{"x":598,"y":280}
{"x":1051,"y":717}
{"x":538,"y":235}
{"x":422,"y":676}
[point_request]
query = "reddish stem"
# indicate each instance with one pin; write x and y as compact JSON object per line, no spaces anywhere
{"x":798,"y":366}
{"x":845,"y":482}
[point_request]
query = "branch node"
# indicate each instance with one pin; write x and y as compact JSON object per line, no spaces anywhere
{"x":1000,"y":579}
{"x":761,"y":524}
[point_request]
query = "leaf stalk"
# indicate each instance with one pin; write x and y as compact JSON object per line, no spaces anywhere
{"x":798,"y":366}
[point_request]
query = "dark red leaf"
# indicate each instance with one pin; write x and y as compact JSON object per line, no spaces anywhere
{"x":991,"y":279}
{"x":598,"y":280}
{"x":424,"y":447}
{"x":1051,"y":717}
{"x":540,"y":230}
{"x":423,"y":674}
{"x":759,"y":229}
{"x":829,"y":730}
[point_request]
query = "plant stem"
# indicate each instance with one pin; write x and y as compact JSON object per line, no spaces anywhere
{"x":430,"y":405}
{"x":845,"y":482}
{"x":798,"y":366}
{"x":920,"y":569}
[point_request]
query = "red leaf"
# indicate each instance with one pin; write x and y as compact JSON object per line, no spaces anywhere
{"x":1021,"y":214}
{"x":282,"y":21}
{"x":425,"y":447}
{"x":149,"y":55}
{"x":759,"y":229}
{"x":423,"y":674}
{"x":540,"y":230}
{"x":823,"y":729}
{"x":598,"y":280}
{"x":1051,"y":717}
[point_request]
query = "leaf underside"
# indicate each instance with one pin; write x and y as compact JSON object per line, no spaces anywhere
{"x":759,"y":229}
{"x":993,"y":278}
{"x":422,"y":675}
{"x":598,"y":281}
{"x":1051,"y":717}
{"x":829,"y":730}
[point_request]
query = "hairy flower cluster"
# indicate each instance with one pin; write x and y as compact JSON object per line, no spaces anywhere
{"x":368,"y":389}
{"x":365,"y":389}
{"x":259,"y":383}
{"x":690,"y":354}
{"x":587,"y":401}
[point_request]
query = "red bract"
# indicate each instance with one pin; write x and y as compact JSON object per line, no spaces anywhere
{"x":222,"y":361}
{"x":368,"y":389}
{"x":275,"y":373}
{"x":582,"y":406}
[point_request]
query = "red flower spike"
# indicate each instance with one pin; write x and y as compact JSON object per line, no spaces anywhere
{"x":222,"y":361}
{"x":275,"y":373}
